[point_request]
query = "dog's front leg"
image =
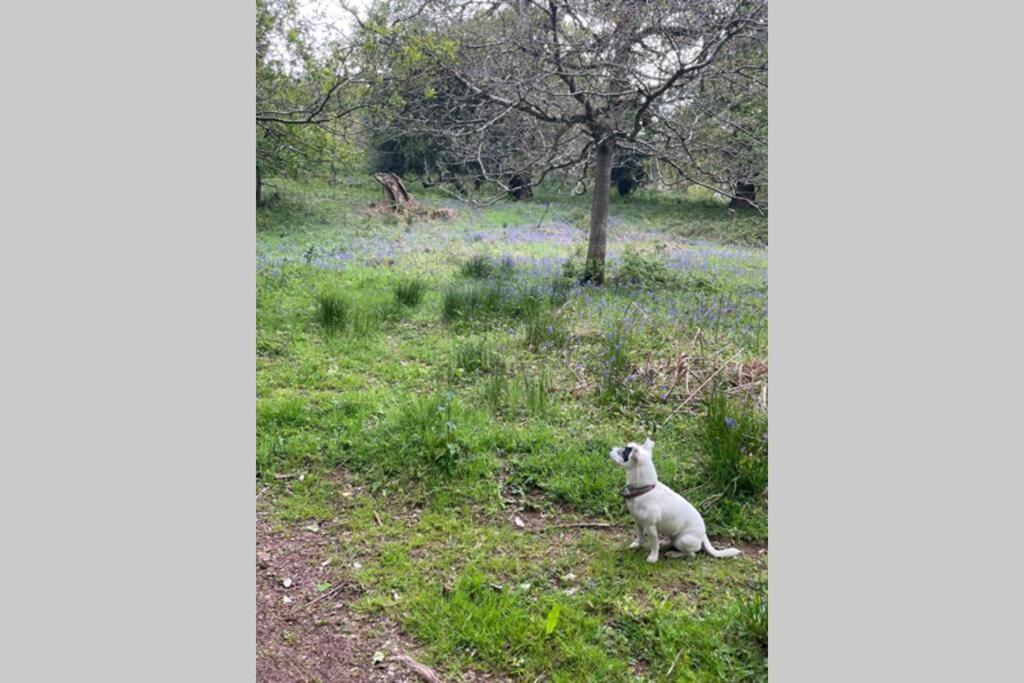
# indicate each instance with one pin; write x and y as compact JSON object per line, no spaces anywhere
{"x":639,"y":536}
{"x":652,"y":537}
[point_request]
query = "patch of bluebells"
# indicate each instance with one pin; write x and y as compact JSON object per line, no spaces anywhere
{"x":545,"y":267}
{"x":741,"y":312}
{"x":554,"y":233}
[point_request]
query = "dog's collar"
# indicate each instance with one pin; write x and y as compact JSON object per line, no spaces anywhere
{"x":633,"y":492}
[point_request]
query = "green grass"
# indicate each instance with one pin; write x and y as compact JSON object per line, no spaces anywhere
{"x":410,"y":292}
{"x":477,"y":355}
{"x":479,"y":267}
{"x":546,"y":330}
{"x":334,"y":312}
{"x":735,"y":441}
{"x":450,"y":373}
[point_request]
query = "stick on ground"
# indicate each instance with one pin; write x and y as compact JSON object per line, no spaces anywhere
{"x":422,"y":670}
{"x":577,"y":525}
{"x":317,"y":599}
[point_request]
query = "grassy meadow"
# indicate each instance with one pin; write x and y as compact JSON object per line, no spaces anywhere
{"x":438,"y":398}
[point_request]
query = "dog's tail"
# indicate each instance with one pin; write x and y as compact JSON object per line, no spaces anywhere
{"x":724,"y":552}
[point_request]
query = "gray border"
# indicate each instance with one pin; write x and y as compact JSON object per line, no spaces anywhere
{"x":129,"y":342}
{"x":893,"y":355}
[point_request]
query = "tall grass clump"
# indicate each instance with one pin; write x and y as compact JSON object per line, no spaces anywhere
{"x":478,"y":356}
{"x":536,"y":393}
{"x":522,"y":394}
{"x":333,"y":311}
{"x":479,"y":267}
{"x":546,"y":330}
{"x":752,"y":616}
{"x":410,"y":292}
{"x":494,"y":391}
{"x":734,"y":437}
{"x":614,"y":364}
{"x":489,"y":299}
{"x":337,"y":314}
{"x":561,"y":288}
{"x":469,"y":302}
{"x":366,"y":321}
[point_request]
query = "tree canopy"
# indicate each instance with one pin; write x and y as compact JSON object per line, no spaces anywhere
{"x":464,"y":93}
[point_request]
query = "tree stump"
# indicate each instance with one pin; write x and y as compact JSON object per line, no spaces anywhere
{"x":394,"y":191}
{"x":746,"y":195}
{"x":520,"y":187}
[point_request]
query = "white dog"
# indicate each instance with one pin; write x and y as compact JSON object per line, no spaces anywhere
{"x":657,"y":509}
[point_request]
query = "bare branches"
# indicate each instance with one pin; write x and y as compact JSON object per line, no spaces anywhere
{"x":532,"y":86}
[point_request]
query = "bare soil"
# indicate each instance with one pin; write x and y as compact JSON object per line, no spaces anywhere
{"x":323,"y":641}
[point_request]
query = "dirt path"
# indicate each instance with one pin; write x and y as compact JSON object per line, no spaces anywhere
{"x":323,"y":641}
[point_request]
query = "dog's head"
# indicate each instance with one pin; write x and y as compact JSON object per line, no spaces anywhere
{"x":632,"y":454}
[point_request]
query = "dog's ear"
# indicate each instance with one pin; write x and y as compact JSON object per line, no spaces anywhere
{"x":649,"y":445}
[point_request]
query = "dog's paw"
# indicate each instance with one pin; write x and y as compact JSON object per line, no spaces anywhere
{"x":634,"y":545}
{"x":652,"y":558}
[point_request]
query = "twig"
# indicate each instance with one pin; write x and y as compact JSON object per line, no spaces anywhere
{"x":695,"y":336}
{"x":577,"y":525}
{"x":306,"y":676}
{"x":703,"y":384}
{"x":424,"y":671}
{"x":317,"y":599}
{"x":265,"y":488}
{"x":377,"y":517}
{"x":543,"y":216}
{"x":713,"y":498}
{"x":675,"y":375}
{"x":577,"y":373}
{"x":669,"y":672}
{"x":640,"y":308}
{"x":747,"y":385}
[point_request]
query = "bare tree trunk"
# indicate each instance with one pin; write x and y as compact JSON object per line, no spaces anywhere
{"x":259,"y":185}
{"x":594,"y":271}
